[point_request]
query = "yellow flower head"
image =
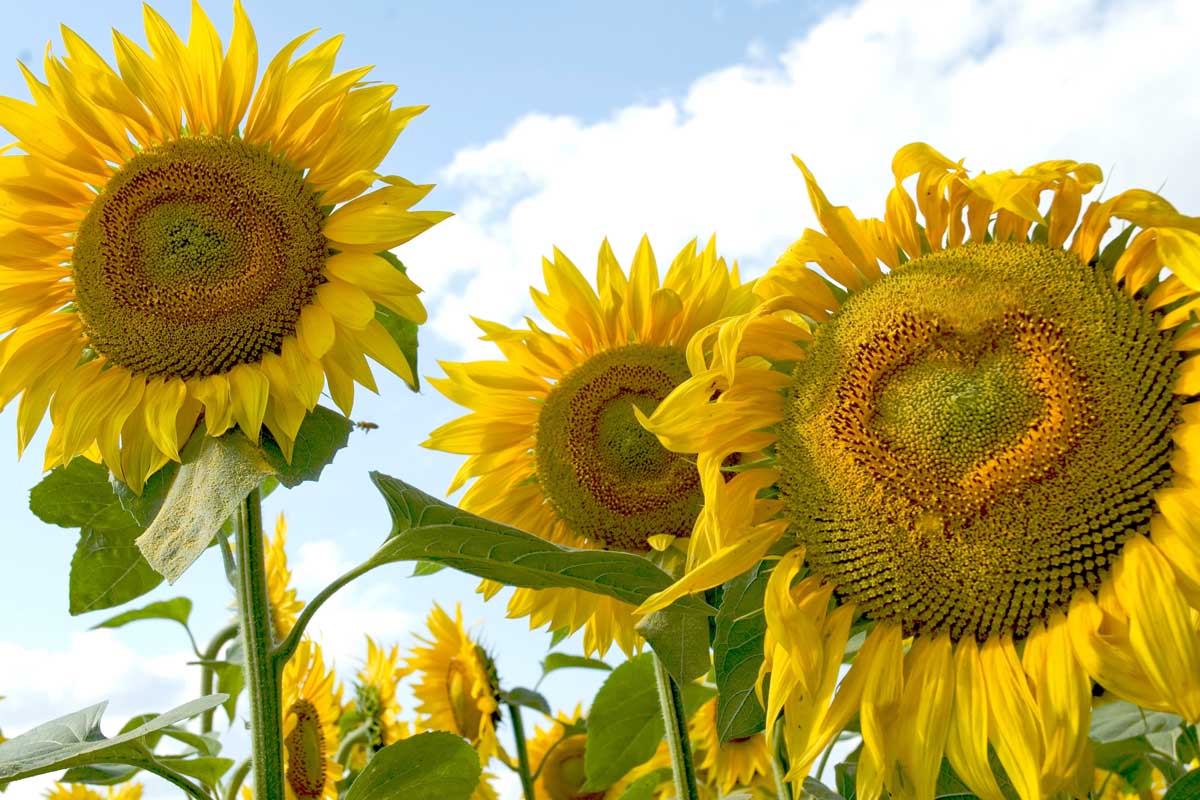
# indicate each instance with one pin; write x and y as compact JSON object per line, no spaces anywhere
{"x":79,"y":791}
{"x":740,"y":763}
{"x":175,"y":243}
{"x":552,"y":441}
{"x":557,"y":757}
{"x":988,"y":448}
{"x":312,"y":704}
{"x":375,"y":698}
{"x":458,"y":690}
{"x":284,"y":605}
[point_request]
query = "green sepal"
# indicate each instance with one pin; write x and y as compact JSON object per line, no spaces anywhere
{"x":322,"y":434}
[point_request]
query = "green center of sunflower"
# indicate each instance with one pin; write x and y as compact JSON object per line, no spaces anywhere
{"x":607,"y":477}
{"x":975,"y":436}
{"x":306,"y":749}
{"x":199,"y":255}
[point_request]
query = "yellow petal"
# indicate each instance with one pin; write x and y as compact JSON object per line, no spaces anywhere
{"x":967,"y":740}
{"x":314,"y":330}
{"x":378,"y":344}
{"x":214,"y":393}
{"x":1013,"y":725}
{"x":1062,"y":691}
{"x":879,"y":713}
{"x":348,"y":304}
{"x":161,"y":405}
{"x":925,"y":711}
{"x":249,"y":389}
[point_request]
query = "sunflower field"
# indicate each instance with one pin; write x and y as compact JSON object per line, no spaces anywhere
{"x":913,"y":514}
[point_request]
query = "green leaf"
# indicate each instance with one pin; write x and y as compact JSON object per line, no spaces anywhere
{"x":428,"y":766}
{"x":738,"y":654}
{"x":1121,"y":720}
{"x":99,"y":774}
{"x":76,"y":740}
{"x":625,"y":725}
{"x":322,"y":434}
{"x":78,"y":496}
{"x":231,"y":679}
{"x":815,"y":789}
{"x":1186,"y":788}
{"x":178,"y":610}
{"x":644,"y":787}
{"x":108,"y":570}
{"x":144,"y":507}
{"x":528,"y":698}
{"x":206,"y":769}
{"x":426,"y":529}
{"x":556,"y":661}
{"x":424,"y":568}
{"x":402,"y":329}
{"x":681,"y":641}
{"x":211,"y":484}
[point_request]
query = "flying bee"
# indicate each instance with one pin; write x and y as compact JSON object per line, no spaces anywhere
{"x":366,"y":426}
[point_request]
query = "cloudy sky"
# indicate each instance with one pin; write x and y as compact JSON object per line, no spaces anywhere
{"x":560,"y":124}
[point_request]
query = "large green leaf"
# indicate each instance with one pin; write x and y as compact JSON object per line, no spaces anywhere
{"x":680,"y":640}
{"x":79,"y":496}
{"x":76,"y":740}
{"x":427,"y":529}
{"x":1186,"y":788}
{"x":645,"y":787}
{"x":402,"y":329}
{"x":214,"y":479}
{"x":322,"y":434}
{"x":625,"y":724}
{"x":738,"y":654}
{"x":108,"y":570}
{"x":520,"y":696}
{"x":178,"y":609}
{"x":1121,"y":720}
{"x":145,"y":506}
{"x":428,"y":766}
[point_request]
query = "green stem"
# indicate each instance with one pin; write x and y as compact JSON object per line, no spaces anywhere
{"x":288,"y":646}
{"x":170,"y":775}
{"x":670,"y":700}
{"x":223,"y":637}
{"x":236,"y":779}
{"x":360,"y":735}
{"x":779,"y":765}
{"x":514,"y":712}
{"x":825,"y":758}
{"x":262,"y":671}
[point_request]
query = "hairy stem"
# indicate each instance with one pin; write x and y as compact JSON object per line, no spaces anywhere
{"x":288,"y":646}
{"x":514,"y":713}
{"x":223,"y":637}
{"x":262,"y":671}
{"x":779,"y":764}
{"x":670,"y":700}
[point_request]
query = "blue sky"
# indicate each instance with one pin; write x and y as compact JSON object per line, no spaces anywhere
{"x":563,"y":123}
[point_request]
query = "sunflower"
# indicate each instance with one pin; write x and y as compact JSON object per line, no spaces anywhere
{"x":987,"y":455}
{"x":552,"y":442}
{"x":458,"y":690}
{"x":556,"y":756}
{"x":175,"y":244}
{"x":743,"y":763}
{"x":312,"y":703}
{"x":78,"y":791}
{"x":284,"y":605}
{"x":375,"y":700}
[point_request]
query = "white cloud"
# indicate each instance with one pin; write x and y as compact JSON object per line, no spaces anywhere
{"x":1003,"y":84}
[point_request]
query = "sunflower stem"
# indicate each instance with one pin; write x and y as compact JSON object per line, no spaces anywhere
{"x":670,"y":700}
{"x":514,"y":711}
{"x":223,"y":637}
{"x":262,"y":671}
{"x":779,"y":765}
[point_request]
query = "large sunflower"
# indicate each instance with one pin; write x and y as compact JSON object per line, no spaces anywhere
{"x":312,"y":703}
{"x":552,"y":442}
{"x":458,"y":690}
{"x":174,"y":243}
{"x":988,"y":454}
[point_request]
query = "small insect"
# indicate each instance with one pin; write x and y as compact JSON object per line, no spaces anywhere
{"x":366,"y":426}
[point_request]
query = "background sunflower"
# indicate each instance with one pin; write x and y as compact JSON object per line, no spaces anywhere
{"x":552,"y":442}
